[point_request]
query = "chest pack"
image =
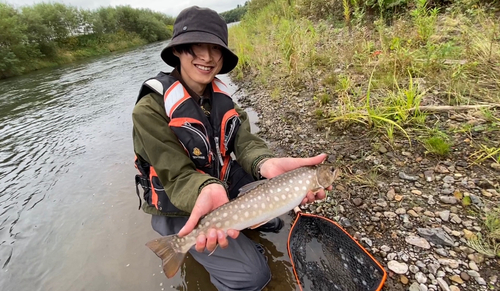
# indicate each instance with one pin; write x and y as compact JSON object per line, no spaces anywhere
{"x":207,"y":141}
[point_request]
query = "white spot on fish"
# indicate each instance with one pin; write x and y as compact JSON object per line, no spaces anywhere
{"x":283,"y":196}
{"x":309,"y":177}
{"x":296,"y":188}
{"x":279,"y":190}
{"x":308,"y":182}
{"x":246,"y":214}
{"x":218,"y":224}
{"x":304,"y":188}
{"x":276,"y":198}
{"x":263,"y":205}
{"x":287,"y":189}
{"x":235,"y":217}
{"x":207,"y":223}
{"x":300,"y":181}
{"x":259,"y":197}
{"x":291,"y":181}
{"x":226,"y":223}
{"x":256,"y":206}
{"x":225,"y":214}
{"x":271,"y":191}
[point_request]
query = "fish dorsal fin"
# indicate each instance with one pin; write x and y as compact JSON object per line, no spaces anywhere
{"x":251,"y":186}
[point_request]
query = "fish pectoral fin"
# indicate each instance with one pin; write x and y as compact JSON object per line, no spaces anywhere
{"x":251,"y":186}
{"x":259,"y":224}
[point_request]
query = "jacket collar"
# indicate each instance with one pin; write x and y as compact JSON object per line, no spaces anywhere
{"x":199,"y":99}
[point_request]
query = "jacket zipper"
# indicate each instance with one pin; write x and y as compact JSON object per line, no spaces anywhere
{"x":231,"y":130}
{"x":221,"y":161}
{"x":188,"y":126}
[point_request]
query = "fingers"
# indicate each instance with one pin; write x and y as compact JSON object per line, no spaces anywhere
{"x":213,"y":238}
{"x":190,"y":224}
{"x":315,"y":160}
{"x":201,"y":241}
{"x":232,"y":233}
{"x":222,"y":240}
{"x":320,"y":195}
{"x":311,"y":197}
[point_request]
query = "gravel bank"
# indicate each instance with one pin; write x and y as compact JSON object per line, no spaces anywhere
{"x":404,"y":206}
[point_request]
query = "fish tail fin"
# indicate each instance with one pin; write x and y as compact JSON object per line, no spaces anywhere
{"x":170,"y":252}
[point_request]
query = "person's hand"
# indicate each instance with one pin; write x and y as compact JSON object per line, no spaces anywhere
{"x":211,"y":196}
{"x":277,"y":166}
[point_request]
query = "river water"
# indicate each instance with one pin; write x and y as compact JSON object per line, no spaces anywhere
{"x":68,"y":207}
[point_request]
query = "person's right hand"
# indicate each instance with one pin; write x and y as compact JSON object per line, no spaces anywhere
{"x":211,"y":196}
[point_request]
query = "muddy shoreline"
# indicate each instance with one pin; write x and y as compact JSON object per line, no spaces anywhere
{"x":402,"y":204}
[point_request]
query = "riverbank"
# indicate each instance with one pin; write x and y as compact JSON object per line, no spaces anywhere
{"x":48,"y":35}
{"x":420,"y":187}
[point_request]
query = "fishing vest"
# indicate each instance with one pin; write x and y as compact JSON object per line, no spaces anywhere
{"x":208,"y":141}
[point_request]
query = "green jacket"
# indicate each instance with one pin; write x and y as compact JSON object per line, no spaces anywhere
{"x":156,"y":143}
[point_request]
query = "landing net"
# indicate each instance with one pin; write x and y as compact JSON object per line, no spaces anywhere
{"x":326,"y":258}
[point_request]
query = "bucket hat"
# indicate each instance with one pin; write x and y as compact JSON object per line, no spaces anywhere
{"x":200,"y":25}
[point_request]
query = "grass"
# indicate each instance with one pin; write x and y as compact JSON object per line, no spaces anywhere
{"x":489,"y":245}
{"x":376,"y":74}
{"x":384,"y":73}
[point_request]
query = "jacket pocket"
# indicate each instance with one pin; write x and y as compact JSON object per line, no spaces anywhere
{"x":193,"y":136}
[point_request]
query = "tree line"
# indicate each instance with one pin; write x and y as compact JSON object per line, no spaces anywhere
{"x":46,"y":34}
{"x":235,"y":14}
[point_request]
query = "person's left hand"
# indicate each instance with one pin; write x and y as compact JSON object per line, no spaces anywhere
{"x":277,"y":166}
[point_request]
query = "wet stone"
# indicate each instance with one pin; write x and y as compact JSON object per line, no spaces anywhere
{"x":429,"y":176}
{"x":444,"y":215}
{"x":442,"y":283}
{"x":407,"y":177}
{"x":421,"y":278}
{"x":418,"y":241}
{"x":437,"y":236}
{"x":397,"y":267}
{"x":465,"y":276}
{"x":404,"y":279}
{"x":456,"y":279}
{"x":480,"y":280}
{"x":357,"y":201}
{"x":414,"y":287}
{"x":448,"y":199}
{"x":449,"y":180}
{"x":391,"y":194}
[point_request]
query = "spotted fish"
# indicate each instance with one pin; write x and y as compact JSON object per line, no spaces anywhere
{"x":256,"y":204}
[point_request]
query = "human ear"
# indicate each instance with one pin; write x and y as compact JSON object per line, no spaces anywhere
{"x":175,"y":52}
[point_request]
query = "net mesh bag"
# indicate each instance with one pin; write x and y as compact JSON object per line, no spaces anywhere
{"x":325,"y":257}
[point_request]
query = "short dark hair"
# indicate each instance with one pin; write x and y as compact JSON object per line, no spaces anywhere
{"x":185,"y":48}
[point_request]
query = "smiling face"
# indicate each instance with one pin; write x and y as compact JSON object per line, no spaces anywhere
{"x":198,"y":69}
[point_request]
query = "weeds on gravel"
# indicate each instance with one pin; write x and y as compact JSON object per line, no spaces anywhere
{"x":368,"y":71}
{"x":485,"y":153}
{"x":437,"y":144}
{"x":489,"y":245}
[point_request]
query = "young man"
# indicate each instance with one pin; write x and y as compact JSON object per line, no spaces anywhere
{"x":185,"y":128}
